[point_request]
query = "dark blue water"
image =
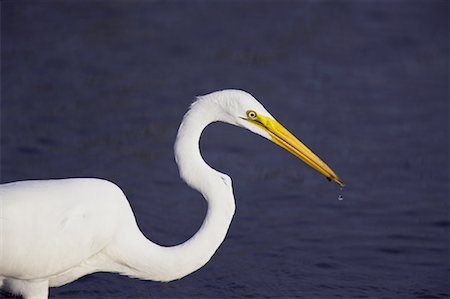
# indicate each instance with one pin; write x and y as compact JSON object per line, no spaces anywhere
{"x":98,"y":88}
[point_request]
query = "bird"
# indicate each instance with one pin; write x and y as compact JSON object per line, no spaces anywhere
{"x":57,"y":230}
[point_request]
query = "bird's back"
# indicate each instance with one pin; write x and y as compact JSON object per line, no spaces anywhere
{"x":48,"y":227}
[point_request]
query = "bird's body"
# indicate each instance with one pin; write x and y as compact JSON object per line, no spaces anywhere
{"x":77,"y":226}
{"x":54,"y":231}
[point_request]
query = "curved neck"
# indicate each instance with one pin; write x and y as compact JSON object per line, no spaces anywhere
{"x":155,"y":262}
{"x":214,"y":186}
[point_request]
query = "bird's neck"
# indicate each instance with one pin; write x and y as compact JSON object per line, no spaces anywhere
{"x":214,"y":186}
{"x":170,"y":263}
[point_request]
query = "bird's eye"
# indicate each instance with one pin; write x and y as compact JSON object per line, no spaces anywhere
{"x":251,"y":114}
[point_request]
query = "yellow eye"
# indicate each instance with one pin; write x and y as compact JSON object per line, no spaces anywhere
{"x":251,"y":114}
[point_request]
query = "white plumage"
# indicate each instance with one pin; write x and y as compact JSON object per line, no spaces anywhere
{"x":54,"y":231}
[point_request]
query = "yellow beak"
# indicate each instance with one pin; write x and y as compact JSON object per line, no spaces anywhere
{"x":286,"y":140}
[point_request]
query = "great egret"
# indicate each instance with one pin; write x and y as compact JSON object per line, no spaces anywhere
{"x":56,"y":231}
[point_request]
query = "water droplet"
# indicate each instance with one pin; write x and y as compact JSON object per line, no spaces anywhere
{"x":340,"y":196}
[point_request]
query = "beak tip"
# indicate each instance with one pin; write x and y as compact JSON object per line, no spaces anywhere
{"x":336,"y":180}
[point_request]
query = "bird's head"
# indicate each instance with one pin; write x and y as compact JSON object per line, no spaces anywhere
{"x":242,"y":109}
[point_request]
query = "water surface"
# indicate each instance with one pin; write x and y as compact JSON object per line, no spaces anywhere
{"x":97,"y":89}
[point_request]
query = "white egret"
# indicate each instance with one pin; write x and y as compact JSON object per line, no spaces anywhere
{"x":56,"y":231}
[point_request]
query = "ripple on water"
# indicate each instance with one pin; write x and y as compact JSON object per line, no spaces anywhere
{"x":408,"y":237}
{"x":392,"y":250}
{"x":441,"y":223}
{"x":28,"y":150}
{"x":327,"y":266}
{"x":425,"y":293}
